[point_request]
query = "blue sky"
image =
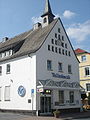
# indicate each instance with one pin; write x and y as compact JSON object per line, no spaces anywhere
{"x":17,"y":16}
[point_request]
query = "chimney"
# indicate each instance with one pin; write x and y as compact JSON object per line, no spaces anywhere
{"x":36,"y":26}
{"x":5,"y":39}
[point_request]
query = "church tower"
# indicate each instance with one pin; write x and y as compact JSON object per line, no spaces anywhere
{"x":47,"y":16}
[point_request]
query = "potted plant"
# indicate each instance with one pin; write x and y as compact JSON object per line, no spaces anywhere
{"x":56,"y":113}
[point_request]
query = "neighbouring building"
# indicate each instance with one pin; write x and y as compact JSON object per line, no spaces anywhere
{"x":84,"y":69}
{"x":39,"y":70}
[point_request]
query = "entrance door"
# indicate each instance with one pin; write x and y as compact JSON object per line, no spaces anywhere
{"x":45,"y":103}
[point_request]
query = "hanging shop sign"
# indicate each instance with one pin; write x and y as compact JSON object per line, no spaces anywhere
{"x":56,"y":75}
{"x":21,"y":91}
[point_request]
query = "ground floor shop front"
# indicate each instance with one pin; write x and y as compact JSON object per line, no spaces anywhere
{"x":51,"y":97}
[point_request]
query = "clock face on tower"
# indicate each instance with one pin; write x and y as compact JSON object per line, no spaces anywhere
{"x":21,"y":91}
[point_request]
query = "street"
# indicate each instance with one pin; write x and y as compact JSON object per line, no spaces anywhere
{"x":15,"y":116}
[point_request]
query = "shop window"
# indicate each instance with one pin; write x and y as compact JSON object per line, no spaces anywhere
{"x":69,"y":69}
{"x":83,"y":58}
{"x":60,"y":66}
{"x":49,"y":47}
{"x":0,"y":70}
{"x":7,"y":93}
{"x":61,"y":97}
{"x":88,"y":86}
{"x":8,"y":68}
{"x":0,"y":93}
{"x":87,"y":71}
{"x":71,"y":96}
{"x":49,"y":65}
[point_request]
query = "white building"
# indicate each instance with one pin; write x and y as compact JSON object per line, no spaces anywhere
{"x":39,"y":69}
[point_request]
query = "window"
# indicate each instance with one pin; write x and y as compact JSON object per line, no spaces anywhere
{"x":8,"y":68}
{"x":83,"y":58}
{"x":66,"y":52}
{"x":59,"y":30}
{"x":45,"y":20}
{"x":59,"y":37}
{"x":62,"y":44}
{"x":52,"y":41}
{"x":0,"y":55}
{"x":69,"y":69}
{"x":55,"y":42}
{"x":63,"y":51}
{"x":69,"y":53}
{"x":71,"y":96}
{"x":52,"y":48}
{"x":59,"y":50}
{"x":0,"y":93}
{"x":49,"y":47}
{"x":56,"y":49}
{"x":63,"y":38}
{"x":61,"y":97}
{"x":87,"y":71}
{"x":65,"y":45}
{"x":7,"y":93}
{"x":49,"y":65}
{"x":59,"y":66}
{"x":88,"y":86}
{"x":55,"y":35}
{"x":0,"y":70}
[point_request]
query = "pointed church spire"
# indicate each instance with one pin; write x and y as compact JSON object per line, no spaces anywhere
{"x":47,"y":15}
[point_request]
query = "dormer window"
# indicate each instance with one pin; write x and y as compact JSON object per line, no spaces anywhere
{"x":45,"y":20}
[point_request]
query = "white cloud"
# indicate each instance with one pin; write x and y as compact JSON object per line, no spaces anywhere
{"x":36,"y":19}
{"x":78,"y":31}
{"x":68,"y":14}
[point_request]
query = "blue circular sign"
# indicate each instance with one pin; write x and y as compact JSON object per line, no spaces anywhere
{"x":21,"y":91}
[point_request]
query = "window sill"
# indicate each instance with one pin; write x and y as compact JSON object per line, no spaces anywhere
{"x":60,"y":71}
{"x":6,"y":100}
{"x":7,"y":72}
{"x":50,"y":70}
{"x":69,"y":73}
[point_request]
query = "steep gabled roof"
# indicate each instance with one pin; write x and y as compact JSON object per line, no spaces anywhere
{"x":80,"y":51}
{"x":31,"y":41}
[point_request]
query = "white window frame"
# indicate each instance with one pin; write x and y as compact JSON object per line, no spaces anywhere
{"x":88,"y":70}
{"x":83,"y":58}
{"x":7,"y":93}
{"x":70,"y":97}
{"x":0,"y":70}
{"x":0,"y":93}
{"x":8,"y":70}
{"x":60,"y":67}
{"x":49,"y":67}
{"x":61,"y":96}
{"x":70,"y":72}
